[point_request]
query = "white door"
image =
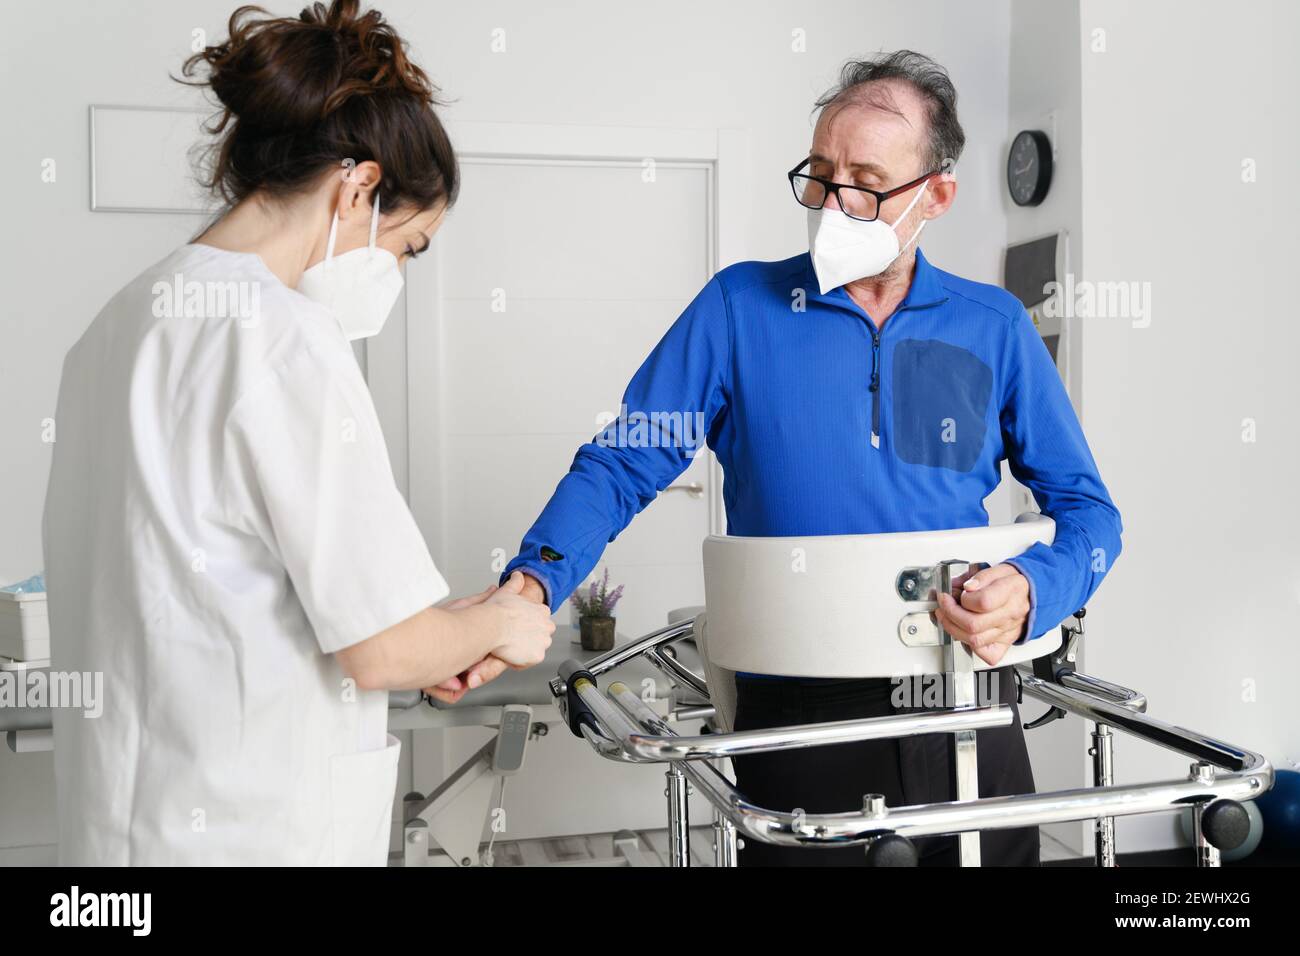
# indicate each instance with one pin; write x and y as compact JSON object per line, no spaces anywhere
{"x":569,"y":254}
{"x":553,"y":282}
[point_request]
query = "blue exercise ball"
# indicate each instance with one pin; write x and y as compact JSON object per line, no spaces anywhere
{"x":1248,"y":846}
{"x":1280,"y":808}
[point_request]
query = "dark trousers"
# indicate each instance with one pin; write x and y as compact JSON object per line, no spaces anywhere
{"x":907,"y":770}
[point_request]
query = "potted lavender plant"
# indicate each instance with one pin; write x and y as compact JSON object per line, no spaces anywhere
{"x":596,"y":614}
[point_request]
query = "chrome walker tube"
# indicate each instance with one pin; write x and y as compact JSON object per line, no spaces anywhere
{"x":959,"y":663}
{"x":1103,"y":775}
{"x":620,"y":726}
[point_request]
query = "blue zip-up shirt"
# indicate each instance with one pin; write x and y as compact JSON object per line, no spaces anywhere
{"x":826,"y":424}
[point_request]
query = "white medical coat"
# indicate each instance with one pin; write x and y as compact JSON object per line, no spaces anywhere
{"x":221,"y":518}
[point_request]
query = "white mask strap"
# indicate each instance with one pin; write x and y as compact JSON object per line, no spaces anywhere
{"x":904,"y":216}
{"x":374,"y":219}
{"x":334,"y":231}
{"x":914,"y":235}
{"x":334,"y":228}
{"x":909,"y":206}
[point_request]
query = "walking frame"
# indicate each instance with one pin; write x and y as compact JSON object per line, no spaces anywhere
{"x":620,"y":726}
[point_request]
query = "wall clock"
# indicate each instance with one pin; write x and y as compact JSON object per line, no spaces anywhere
{"x":1029,"y":167}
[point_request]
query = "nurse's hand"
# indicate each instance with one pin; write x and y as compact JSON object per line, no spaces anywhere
{"x":524,"y":627}
{"x":470,"y":600}
{"x":489,"y":668}
{"x":454,"y":688}
{"x":492,"y":667}
{"x":992,"y":614}
{"x":443,"y":693}
{"x":478,"y":674}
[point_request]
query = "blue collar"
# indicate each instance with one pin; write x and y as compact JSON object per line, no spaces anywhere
{"x":926,"y":289}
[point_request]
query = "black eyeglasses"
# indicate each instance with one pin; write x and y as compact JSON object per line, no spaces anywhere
{"x":857,"y":202}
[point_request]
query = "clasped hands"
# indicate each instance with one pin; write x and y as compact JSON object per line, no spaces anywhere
{"x":490,"y":667}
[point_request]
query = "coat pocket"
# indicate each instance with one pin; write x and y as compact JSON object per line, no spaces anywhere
{"x":362,"y":787}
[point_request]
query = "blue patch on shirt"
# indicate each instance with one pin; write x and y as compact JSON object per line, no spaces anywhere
{"x":940,"y":395}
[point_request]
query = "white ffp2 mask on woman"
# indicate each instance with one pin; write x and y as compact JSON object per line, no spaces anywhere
{"x":845,"y":249}
{"x":360,"y":286}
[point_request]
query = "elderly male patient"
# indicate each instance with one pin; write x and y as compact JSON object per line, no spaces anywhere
{"x":857,"y":389}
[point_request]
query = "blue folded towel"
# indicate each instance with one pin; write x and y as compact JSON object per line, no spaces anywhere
{"x":33,"y":585}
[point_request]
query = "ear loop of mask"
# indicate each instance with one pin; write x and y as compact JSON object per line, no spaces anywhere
{"x":334,"y":231}
{"x":374,"y":220}
{"x":915,"y":200}
{"x":374,"y":228}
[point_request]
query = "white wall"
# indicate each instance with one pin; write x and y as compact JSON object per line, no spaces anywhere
{"x":1200,"y":610}
{"x":675,"y":64}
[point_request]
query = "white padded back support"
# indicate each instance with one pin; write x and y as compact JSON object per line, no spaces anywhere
{"x":722,"y":682}
{"x":827,"y":606}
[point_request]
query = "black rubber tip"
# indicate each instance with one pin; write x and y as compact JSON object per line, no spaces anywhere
{"x":1226,"y":824}
{"x":891,"y":850}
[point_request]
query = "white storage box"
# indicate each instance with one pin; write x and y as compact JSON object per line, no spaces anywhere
{"x":24,"y":626}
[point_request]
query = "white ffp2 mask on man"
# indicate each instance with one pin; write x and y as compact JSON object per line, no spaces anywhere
{"x":844,"y":249}
{"x":360,"y":286}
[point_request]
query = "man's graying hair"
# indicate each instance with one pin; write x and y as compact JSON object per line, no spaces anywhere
{"x":928,"y":78}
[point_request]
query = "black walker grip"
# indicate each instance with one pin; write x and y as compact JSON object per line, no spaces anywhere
{"x":579,"y":713}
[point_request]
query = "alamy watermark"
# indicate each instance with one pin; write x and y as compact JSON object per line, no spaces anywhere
{"x":133,"y":911}
{"x":207,"y":299}
{"x":1086,"y":299}
{"x":73,"y":690}
{"x":637,"y":429}
{"x":934,"y":691}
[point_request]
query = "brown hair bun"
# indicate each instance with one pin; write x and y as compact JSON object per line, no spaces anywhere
{"x":301,"y":95}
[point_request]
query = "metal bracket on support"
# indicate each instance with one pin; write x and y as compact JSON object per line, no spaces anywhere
{"x":919,"y":630}
{"x":919,"y":585}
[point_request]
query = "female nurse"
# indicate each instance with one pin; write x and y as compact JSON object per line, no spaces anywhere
{"x":224,"y":540}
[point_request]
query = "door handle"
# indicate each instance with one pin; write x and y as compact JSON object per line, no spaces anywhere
{"x":694,"y":489}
